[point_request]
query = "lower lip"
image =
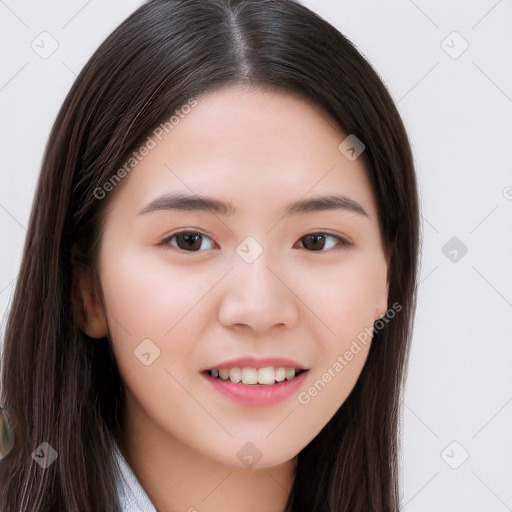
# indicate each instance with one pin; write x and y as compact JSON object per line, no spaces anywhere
{"x":256,"y":394}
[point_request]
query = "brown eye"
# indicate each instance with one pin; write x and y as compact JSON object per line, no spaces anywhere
{"x":316,"y":242}
{"x":189,"y":241}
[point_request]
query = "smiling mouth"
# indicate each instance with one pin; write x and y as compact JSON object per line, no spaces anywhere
{"x":248,"y":376}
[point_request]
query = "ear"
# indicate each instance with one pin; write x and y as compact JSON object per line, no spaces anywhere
{"x":87,"y":307}
{"x":381,"y":306}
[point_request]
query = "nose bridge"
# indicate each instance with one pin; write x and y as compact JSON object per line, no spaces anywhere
{"x":253,"y":270}
{"x":257,"y":295}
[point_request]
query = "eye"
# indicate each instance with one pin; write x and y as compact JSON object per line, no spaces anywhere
{"x":191,"y":241}
{"x":316,"y":241}
{"x":188,"y":241}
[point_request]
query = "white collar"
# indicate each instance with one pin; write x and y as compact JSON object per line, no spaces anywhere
{"x":132,"y":496}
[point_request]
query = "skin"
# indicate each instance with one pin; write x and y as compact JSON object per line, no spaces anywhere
{"x":259,"y":150}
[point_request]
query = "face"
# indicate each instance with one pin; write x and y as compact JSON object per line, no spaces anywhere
{"x":251,"y":285}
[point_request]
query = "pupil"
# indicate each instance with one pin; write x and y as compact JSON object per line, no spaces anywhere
{"x":316,"y":238}
{"x":192,"y":239}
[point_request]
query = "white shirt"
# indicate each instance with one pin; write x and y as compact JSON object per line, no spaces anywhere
{"x":132,"y":496}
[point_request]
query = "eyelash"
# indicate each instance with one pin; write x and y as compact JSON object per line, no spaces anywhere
{"x":343,"y":242}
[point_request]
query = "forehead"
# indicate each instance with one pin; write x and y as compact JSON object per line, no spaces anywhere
{"x":250,"y":147}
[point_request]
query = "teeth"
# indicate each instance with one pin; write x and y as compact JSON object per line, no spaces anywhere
{"x":265,"y":376}
{"x":289,"y":373}
{"x":249,"y":375}
{"x":280,"y":374}
{"x":235,"y":374}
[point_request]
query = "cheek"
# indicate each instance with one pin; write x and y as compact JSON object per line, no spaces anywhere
{"x":347,"y":300}
{"x":147,"y":298}
{"x":144,"y":300}
{"x":134,"y":293}
{"x":347,"y":307}
{"x":146,"y":294}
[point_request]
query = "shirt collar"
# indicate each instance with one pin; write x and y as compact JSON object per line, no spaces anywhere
{"x":132,"y":496}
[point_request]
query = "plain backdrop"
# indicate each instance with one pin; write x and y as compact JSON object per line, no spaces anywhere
{"x":448,"y":67}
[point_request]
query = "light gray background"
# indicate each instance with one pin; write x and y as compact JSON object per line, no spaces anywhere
{"x":457,"y":108}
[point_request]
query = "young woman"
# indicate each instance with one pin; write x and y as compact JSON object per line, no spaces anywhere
{"x":215,"y":300}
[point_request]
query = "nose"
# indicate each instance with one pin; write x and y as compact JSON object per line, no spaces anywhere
{"x":259,"y":296}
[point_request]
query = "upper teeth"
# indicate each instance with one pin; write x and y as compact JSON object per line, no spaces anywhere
{"x":268,"y":375}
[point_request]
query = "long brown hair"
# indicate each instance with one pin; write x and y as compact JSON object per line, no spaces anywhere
{"x":61,"y":387}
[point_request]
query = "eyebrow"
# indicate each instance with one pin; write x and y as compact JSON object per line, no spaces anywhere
{"x":196,"y":203}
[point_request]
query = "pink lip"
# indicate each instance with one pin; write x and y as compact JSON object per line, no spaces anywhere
{"x":256,"y":394}
{"x":253,"y":362}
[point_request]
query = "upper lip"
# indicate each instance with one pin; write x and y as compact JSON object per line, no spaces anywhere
{"x":257,"y":362}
